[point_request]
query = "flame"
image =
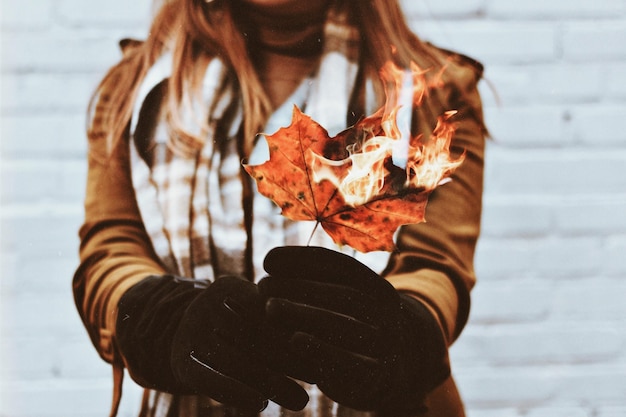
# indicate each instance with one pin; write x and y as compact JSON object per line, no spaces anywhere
{"x":427,"y":165}
{"x":366,"y":176}
{"x":431,"y":164}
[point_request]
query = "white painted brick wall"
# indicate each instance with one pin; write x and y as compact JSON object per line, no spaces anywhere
{"x":546,"y":337}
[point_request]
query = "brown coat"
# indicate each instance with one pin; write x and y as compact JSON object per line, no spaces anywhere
{"x":434,"y":262}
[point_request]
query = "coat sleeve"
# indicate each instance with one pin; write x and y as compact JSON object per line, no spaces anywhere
{"x":115,"y":251}
{"x":434,"y":261}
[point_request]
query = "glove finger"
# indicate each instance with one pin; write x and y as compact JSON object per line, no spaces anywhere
{"x":333,"y":328}
{"x":237,"y":323}
{"x":346,"y":300}
{"x":244,"y":299}
{"x":261,"y":342}
{"x":324,"y":265}
{"x":239,"y":318}
{"x":346,"y":377}
{"x":228,"y":360}
{"x":204,"y":379}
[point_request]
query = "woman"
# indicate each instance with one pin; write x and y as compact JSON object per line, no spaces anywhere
{"x":176,"y":238}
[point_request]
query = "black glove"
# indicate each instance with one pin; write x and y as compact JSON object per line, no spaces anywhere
{"x":365,"y":345}
{"x":213,"y":342}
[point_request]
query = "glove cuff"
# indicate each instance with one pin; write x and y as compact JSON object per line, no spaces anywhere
{"x":422,"y":360}
{"x":425,"y":338}
{"x":149,"y":314}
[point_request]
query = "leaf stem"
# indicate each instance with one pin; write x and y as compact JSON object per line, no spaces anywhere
{"x":317,"y":223}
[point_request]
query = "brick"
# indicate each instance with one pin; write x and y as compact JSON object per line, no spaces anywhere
{"x":615,"y":74}
{"x":502,"y":258}
{"x":66,"y":398}
{"x":27,"y":182}
{"x":528,"y":126}
{"x":34,"y":277}
{"x":40,"y":180}
{"x":550,"y":173}
{"x":47,"y":92}
{"x":558,"y":411}
{"x":547,"y":258}
{"x":611,"y":411}
{"x":497,"y":412}
{"x":554,"y":9}
{"x":484,"y":388}
{"x":52,"y":135}
{"x":511,"y":301}
{"x":26,"y":15}
{"x":615,"y":264}
{"x":65,"y":52}
{"x":73,"y":178}
{"x":416,"y":10}
{"x":34,"y":315}
{"x":566,"y":83}
{"x":44,"y":238}
{"x":590,"y":300}
{"x":490,"y":94}
{"x":543,"y":343}
{"x":516,"y":218}
{"x":595,"y":385}
{"x":599,"y":124}
{"x":569,"y":258}
{"x":602,"y":216}
{"x":76,"y":358}
{"x":554,"y":83}
{"x":494,"y":42}
{"x":8,"y":264}
{"x":114,"y":12}
{"x":85,"y":398}
{"x":591,"y":41}
{"x":526,"y":387}
{"x":65,"y":357}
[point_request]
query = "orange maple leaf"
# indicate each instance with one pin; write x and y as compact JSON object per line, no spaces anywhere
{"x":288,"y":179}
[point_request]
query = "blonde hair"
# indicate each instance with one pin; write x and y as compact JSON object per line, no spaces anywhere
{"x":195,"y":31}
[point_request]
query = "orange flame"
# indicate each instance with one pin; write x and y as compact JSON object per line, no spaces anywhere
{"x":431,"y":164}
{"x":426,"y":165}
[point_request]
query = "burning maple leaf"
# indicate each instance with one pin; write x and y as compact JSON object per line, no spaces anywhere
{"x":349,"y":184}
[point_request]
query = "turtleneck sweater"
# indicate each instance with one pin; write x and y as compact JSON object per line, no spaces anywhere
{"x":285,"y":41}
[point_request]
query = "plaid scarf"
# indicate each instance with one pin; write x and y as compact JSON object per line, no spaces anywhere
{"x":193,"y":206}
